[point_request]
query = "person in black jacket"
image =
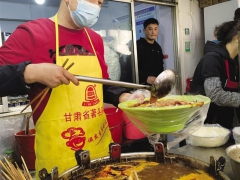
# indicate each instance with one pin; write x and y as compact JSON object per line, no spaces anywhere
{"x":217,"y":75}
{"x":149,"y":52}
{"x":15,"y":79}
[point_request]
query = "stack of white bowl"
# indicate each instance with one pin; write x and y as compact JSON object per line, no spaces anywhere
{"x":233,"y":153}
{"x":236,"y":134}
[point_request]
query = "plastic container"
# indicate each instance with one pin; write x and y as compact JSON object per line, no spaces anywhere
{"x":210,"y":135}
{"x":10,"y":156}
{"x":236,"y":134}
{"x":25,"y":144}
{"x":130,"y":131}
{"x":115,"y":122}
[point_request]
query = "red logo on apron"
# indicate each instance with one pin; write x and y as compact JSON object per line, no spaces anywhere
{"x":91,"y":98}
{"x":76,"y":138}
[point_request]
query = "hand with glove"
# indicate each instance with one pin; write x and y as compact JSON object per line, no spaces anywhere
{"x":137,"y":95}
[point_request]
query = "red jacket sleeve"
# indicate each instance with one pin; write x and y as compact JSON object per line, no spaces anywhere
{"x":17,"y":48}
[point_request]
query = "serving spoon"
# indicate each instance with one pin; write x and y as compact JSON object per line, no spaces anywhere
{"x":161,"y":87}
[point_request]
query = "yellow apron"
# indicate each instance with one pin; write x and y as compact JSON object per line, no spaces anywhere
{"x":73,"y":118}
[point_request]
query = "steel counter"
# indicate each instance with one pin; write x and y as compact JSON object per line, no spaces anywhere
{"x":204,"y":154}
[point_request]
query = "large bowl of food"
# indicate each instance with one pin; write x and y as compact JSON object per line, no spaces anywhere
{"x":168,"y":115}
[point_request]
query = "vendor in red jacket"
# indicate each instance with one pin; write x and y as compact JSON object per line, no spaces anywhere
{"x":70,"y":117}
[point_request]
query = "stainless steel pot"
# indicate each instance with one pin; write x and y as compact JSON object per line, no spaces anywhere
{"x":233,"y":153}
{"x":85,"y":166}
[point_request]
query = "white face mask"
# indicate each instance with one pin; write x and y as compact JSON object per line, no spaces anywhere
{"x":86,"y":14}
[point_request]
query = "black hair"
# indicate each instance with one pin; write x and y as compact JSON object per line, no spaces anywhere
{"x":150,"y":21}
{"x":227,"y":30}
{"x":215,"y":31}
{"x":237,"y":15}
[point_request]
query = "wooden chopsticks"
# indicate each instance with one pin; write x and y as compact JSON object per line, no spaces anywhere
{"x":11,"y":172}
{"x":135,"y":175}
{"x":42,"y":94}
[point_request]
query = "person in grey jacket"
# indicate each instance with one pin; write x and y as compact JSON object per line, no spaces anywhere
{"x":217,"y":75}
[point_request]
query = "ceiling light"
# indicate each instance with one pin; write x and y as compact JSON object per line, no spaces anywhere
{"x":40,"y":1}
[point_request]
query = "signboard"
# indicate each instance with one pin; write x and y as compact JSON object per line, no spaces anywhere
{"x":187,"y":47}
{"x":140,"y":17}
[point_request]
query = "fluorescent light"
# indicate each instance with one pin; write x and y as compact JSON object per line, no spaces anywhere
{"x":40,"y":1}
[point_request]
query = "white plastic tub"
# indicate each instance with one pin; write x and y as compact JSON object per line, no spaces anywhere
{"x":209,"y":136}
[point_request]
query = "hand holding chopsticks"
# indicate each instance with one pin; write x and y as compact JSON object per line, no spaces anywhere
{"x":42,"y":94}
{"x":48,"y":74}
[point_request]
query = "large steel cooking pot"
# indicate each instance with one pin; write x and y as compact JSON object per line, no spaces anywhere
{"x":86,"y":167}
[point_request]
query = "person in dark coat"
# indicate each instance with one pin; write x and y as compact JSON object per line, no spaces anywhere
{"x":217,"y":75}
{"x":149,"y":52}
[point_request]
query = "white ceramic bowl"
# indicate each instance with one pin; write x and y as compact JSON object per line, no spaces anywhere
{"x":233,"y":153}
{"x":236,"y":134}
{"x":209,"y":136}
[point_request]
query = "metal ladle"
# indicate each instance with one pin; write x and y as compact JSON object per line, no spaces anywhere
{"x":161,"y":87}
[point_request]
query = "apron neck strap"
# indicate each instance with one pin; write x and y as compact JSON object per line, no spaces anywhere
{"x":90,"y":41}
{"x":57,"y":37}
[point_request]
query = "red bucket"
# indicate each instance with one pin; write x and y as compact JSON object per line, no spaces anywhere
{"x":130,"y":131}
{"x":115,"y":122}
{"x":25,"y":145}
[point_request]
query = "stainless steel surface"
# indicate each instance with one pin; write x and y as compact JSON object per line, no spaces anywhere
{"x":78,"y":172}
{"x":167,"y":3}
{"x":161,"y":87}
{"x":204,"y":154}
{"x":233,"y":153}
{"x":111,"y":82}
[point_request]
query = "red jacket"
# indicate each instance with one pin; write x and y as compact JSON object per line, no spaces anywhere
{"x":35,"y":41}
